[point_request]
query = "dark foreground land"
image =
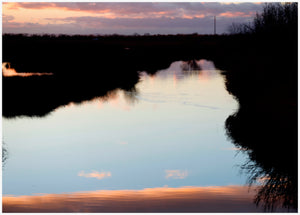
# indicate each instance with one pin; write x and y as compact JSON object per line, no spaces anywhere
{"x":84,"y":67}
{"x":260,"y":72}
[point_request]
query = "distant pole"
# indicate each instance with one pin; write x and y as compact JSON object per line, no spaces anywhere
{"x":215,"y":25}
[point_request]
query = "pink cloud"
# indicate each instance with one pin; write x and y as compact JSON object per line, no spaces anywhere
{"x":28,"y":5}
{"x":95,"y":174}
{"x":237,"y":14}
{"x":176,"y":174}
{"x":145,"y":9}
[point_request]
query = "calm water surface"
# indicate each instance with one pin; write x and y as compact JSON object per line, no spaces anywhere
{"x":167,"y":135}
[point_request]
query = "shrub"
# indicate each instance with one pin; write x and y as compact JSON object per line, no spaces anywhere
{"x":275,"y":18}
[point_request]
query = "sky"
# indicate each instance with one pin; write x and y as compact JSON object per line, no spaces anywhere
{"x":126,"y":18}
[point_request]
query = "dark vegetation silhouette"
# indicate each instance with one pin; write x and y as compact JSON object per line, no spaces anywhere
{"x":266,"y":127}
{"x":84,"y":68}
{"x":39,"y":95}
{"x":276,"y":18}
{"x":259,"y":61}
{"x":190,"y":66}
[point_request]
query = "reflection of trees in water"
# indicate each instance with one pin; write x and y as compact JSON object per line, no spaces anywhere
{"x":131,"y":96}
{"x":4,"y":153}
{"x":265,"y":128}
{"x":277,"y":191}
{"x":190,"y":67}
{"x":277,"y":188}
{"x":41,"y":95}
{"x":272,"y":154}
{"x":264,"y":81}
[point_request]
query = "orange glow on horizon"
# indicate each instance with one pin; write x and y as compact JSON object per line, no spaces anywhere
{"x":42,"y":15}
{"x":150,"y":199}
{"x":9,"y":72}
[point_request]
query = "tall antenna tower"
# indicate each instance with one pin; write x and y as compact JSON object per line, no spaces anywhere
{"x":215,"y":25}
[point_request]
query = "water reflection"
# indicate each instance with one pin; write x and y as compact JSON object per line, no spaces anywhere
{"x":265,"y":128}
{"x":4,"y":153}
{"x":173,"y":130}
{"x":251,"y":129}
{"x":268,"y":158}
{"x":190,"y":65}
{"x":40,"y":95}
{"x":161,"y":199}
{"x":123,"y":99}
{"x":37,"y":96}
{"x":7,"y":71}
{"x":201,"y":69}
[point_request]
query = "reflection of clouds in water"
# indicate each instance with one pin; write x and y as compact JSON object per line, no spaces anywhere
{"x":118,"y":98}
{"x":7,"y":71}
{"x":176,"y":174}
{"x":160,"y":199}
{"x":202,"y":88}
{"x":95,"y":174}
{"x":162,"y":88}
{"x":181,"y":69}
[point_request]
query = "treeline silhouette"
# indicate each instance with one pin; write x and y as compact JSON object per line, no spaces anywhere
{"x":84,"y":68}
{"x":64,"y":55}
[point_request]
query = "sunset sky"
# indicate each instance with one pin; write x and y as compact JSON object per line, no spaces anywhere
{"x":124,"y":18}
